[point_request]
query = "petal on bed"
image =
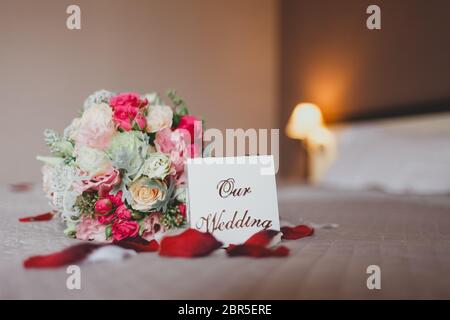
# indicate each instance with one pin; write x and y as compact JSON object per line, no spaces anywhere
{"x":139,"y":245}
{"x":21,"y":187}
{"x":190,"y":243}
{"x":265,"y":238}
{"x":40,"y":217}
{"x":256,"y":251}
{"x":297,"y":232}
{"x":71,"y":255}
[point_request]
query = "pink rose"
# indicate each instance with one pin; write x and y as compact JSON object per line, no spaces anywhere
{"x":127,"y":110}
{"x":91,"y":230}
{"x":102,"y":183}
{"x":124,"y":229}
{"x":152,"y":225}
{"x":123,"y":213}
{"x":103,"y":206}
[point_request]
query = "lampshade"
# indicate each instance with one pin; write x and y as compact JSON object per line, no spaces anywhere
{"x":305,"y":118}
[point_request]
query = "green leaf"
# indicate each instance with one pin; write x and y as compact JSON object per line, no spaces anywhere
{"x":151,"y":137}
{"x":179,"y":104}
{"x":108,"y":231}
{"x":137,"y":215}
{"x":141,"y":227}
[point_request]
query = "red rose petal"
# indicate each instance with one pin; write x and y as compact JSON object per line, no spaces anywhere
{"x":262,"y":238}
{"x":138,"y":244}
{"x":256,"y":251}
{"x":190,"y":243}
{"x":40,"y":217}
{"x":297,"y":232}
{"x":67,"y":256}
{"x":21,"y":187}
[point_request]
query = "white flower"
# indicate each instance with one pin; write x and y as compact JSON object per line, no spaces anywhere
{"x":58,"y":183}
{"x":71,"y":131}
{"x":93,"y":161}
{"x":152,"y":98}
{"x":101,"y":96}
{"x":159,"y":117}
{"x":180,"y":193}
{"x":156,"y":166}
{"x":96,"y":127}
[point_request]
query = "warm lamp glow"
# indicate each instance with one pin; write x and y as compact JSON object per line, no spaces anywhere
{"x":305,"y":118}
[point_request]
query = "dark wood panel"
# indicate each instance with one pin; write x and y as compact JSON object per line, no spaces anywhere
{"x":427,"y":107}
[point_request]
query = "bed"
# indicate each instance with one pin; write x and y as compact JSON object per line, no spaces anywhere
{"x":407,"y":236}
{"x":402,"y":228}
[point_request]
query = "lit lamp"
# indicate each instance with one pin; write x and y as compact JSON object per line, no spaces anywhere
{"x":305,"y":118}
{"x":306,"y":124}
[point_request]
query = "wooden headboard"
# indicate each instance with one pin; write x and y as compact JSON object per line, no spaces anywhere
{"x":428,"y":107}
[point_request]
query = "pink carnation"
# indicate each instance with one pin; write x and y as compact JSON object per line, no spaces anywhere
{"x":152,"y":225}
{"x":116,"y":199}
{"x":103,"y":183}
{"x":91,"y":230}
{"x":123,"y":213}
{"x":95,"y":128}
{"x":177,"y":145}
{"x":127,"y":111}
{"x":106,"y":219}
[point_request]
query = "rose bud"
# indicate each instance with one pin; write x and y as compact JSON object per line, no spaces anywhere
{"x":103,"y":206}
{"x":140,"y":121}
{"x":182,"y":209}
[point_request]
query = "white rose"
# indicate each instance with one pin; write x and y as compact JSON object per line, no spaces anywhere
{"x":92,"y":161}
{"x":96,"y":127}
{"x":156,"y":166}
{"x":159,"y":117}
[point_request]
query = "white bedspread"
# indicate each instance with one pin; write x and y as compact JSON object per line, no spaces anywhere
{"x":408,"y":237}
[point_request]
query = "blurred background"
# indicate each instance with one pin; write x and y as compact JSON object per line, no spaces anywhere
{"x":238,"y":64}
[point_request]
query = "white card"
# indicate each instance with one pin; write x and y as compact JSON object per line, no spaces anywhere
{"x":232,"y":197}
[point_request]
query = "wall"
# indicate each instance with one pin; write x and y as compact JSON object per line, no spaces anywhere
{"x":329,"y":57}
{"x":221,"y":55}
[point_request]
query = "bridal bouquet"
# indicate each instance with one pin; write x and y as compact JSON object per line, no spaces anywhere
{"x":117,"y":171}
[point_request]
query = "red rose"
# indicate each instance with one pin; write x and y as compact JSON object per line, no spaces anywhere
{"x":124,"y":229}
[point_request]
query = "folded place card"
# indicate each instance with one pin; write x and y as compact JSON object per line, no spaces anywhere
{"x":232,"y":197}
